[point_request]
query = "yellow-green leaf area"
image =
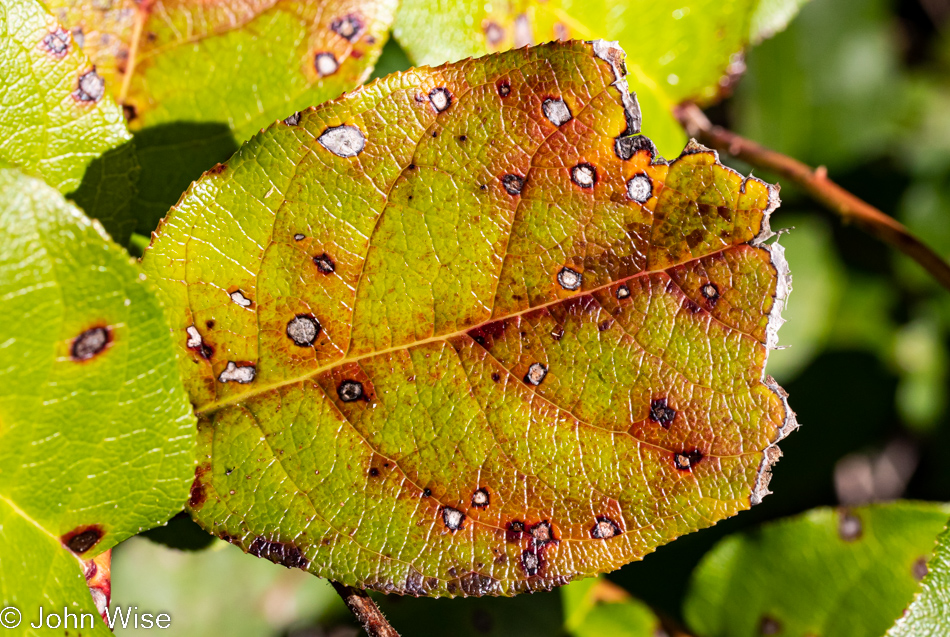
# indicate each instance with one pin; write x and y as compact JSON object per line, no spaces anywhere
{"x":244,"y":63}
{"x":463,"y":332}
{"x":96,"y":433}
{"x":800,"y":576}
{"x":56,"y":116}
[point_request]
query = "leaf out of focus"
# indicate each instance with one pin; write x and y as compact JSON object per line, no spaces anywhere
{"x":929,"y":613}
{"x":817,"y":287}
{"x":844,"y":572}
{"x":596,"y":607}
{"x":219,"y":591}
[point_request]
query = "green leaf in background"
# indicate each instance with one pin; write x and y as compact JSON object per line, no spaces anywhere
{"x":96,"y":433}
{"x":834,"y":573}
{"x":674,"y":52}
{"x":198,"y":79}
{"x":929,"y":613}
{"x":57,"y":118}
{"x":595,"y":607}
{"x":219,"y":591}
{"x":458,"y":333}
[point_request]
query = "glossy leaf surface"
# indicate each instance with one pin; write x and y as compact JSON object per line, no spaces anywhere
{"x":57,"y":119}
{"x":929,"y":614}
{"x":828,"y":572}
{"x":96,"y":433}
{"x":461,"y":332}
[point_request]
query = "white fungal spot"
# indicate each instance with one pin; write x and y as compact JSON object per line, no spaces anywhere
{"x":299,"y":237}
{"x":240,"y":299}
{"x":91,"y":87}
{"x":536,"y":374}
{"x":303,"y":330}
{"x":639,"y":188}
{"x":440,"y":98}
{"x":604,"y":529}
{"x":194,"y":337}
{"x":530,"y":562}
{"x":345,"y":141}
{"x":584,"y":175}
{"x":623,"y":291}
{"x":480,"y":498}
{"x":569,"y":279}
{"x":347,"y":27}
{"x":350,"y":390}
{"x":557,"y":111}
{"x":242,"y":375}
{"x":453,"y":518}
{"x":710,"y":291}
{"x":326,"y":64}
{"x":541,"y":532}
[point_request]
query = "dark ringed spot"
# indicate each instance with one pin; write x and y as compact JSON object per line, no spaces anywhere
{"x":623,"y":291}
{"x":82,"y":539}
{"x":514,"y":530}
{"x":639,"y":188}
{"x":604,"y":528}
{"x":662,"y":413}
{"x":348,"y":27}
{"x":556,"y":111}
{"x":299,"y":237}
{"x":536,"y":374}
{"x":293,"y":120}
{"x":325,"y":63}
{"x":426,"y":492}
{"x":440,"y":98}
{"x":343,"y":141}
{"x":324,"y":263}
{"x":569,"y":279}
{"x":57,"y":42}
{"x":374,"y":472}
{"x":282,"y":553}
{"x":91,"y":87}
{"x":710,"y":291}
{"x":769,"y":626}
{"x":541,"y":533}
{"x":513,"y":184}
{"x":584,"y":175}
{"x":303,"y":330}
{"x":481,"y":498}
{"x":91,"y":342}
{"x":531,"y":563}
{"x":494,"y":34}
{"x":626,"y":147}
{"x":686,"y":460}
{"x":503,"y":87}
{"x":350,"y":391}
{"x":453,"y":518}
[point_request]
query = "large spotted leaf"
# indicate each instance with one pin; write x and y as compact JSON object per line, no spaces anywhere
{"x":56,"y":119}
{"x":462,"y":332}
{"x":687,"y":50}
{"x":96,"y":434}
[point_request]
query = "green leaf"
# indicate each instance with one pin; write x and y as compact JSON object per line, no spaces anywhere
{"x":96,"y":434}
{"x":57,"y":120}
{"x":828,"y":572}
{"x":459,"y":333}
{"x":929,"y":613}
{"x":675,"y":53}
{"x":596,"y":607}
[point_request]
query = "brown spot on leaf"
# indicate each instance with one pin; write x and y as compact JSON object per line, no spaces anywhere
{"x":569,"y":279}
{"x":324,"y":263}
{"x":769,"y":626}
{"x":90,"y":88}
{"x":198,"y":494}
{"x":662,"y":413}
{"x":604,"y":528}
{"x":303,"y":330}
{"x":711,"y":292}
{"x":481,"y":499}
{"x":350,"y":391}
{"x":503,"y":87}
{"x":514,"y":530}
{"x":686,"y":460}
{"x":283,"y":553}
{"x":486,"y":334}
{"x":919,"y":569}
{"x":453,"y":518}
{"x":57,"y":42}
{"x":217,"y":169}
{"x":542,"y":534}
{"x":90,"y":343}
{"x":513,"y":184}
{"x":129,"y":112}
{"x":82,"y":538}
{"x":348,"y":27}
{"x":531,"y":563}
{"x":536,"y":374}
{"x":494,"y":34}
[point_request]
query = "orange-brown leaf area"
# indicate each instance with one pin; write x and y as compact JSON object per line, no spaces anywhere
{"x":463,"y":332}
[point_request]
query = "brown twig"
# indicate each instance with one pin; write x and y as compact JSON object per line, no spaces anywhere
{"x":366,"y":611}
{"x":816,"y":184}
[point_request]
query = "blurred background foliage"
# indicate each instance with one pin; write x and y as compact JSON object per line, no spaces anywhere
{"x":861,"y":87}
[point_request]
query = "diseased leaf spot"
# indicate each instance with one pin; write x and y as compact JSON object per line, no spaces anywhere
{"x":584,"y":175}
{"x":503,"y":87}
{"x":57,"y":42}
{"x":686,"y":460}
{"x":324,"y":263}
{"x":303,"y":330}
{"x":530,"y":563}
{"x":604,"y":528}
{"x":494,"y":34}
{"x":513,"y":184}
{"x":440,"y":98}
{"x":639,"y":188}
{"x":90,"y":343}
{"x":427,"y":492}
{"x":481,"y":499}
{"x":623,"y":292}
{"x":325,"y":63}
{"x":350,"y":391}
{"x":662,"y":413}
{"x":569,"y":279}
{"x":91,"y":87}
{"x":82,"y":539}
{"x":240,"y":299}
{"x":919,"y":569}
{"x":293,"y":120}
{"x":541,"y":533}
{"x":129,"y":112}
{"x":769,"y":626}
{"x":849,"y":526}
{"x":299,"y":237}
{"x":373,"y":472}
{"x":209,"y":324}
{"x":344,"y":141}
{"x":625,"y":147}
{"x":453,"y":518}
{"x":233,"y":373}
{"x":711,"y":292}
{"x":196,"y":343}
{"x":348,"y":27}
{"x":514,"y":531}
{"x":536,"y":374}
{"x":282,"y":553}
{"x":496,"y":377}
{"x":556,"y":111}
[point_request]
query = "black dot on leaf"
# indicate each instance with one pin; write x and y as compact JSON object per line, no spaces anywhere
{"x":90,"y":343}
{"x":710,"y":291}
{"x":350,"y":391}
{"x":513,"y":184}
{"x":662,"y":413}
{"x":82,"y":539}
